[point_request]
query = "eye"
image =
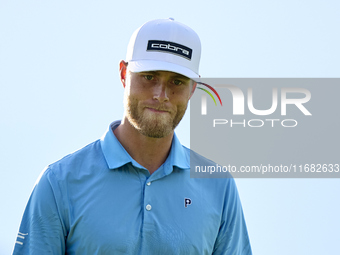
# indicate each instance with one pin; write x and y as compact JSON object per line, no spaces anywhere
{"x":148,"y":77}
{"x":178,"y":82}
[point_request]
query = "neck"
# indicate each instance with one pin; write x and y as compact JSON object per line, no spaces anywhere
{"x":147,"y":151}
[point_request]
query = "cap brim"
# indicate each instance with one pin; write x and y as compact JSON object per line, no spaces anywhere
{"x":154,"y":65}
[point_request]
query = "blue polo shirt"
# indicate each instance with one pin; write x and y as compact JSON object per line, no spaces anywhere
{"x":99,"y":200}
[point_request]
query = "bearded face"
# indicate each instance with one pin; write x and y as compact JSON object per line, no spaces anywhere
{"x":155,"y":104}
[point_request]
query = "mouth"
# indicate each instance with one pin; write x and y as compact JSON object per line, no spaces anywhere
{"x":157,"y":110}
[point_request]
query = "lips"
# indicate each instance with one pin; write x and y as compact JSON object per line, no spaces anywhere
{"x":157,"y":109}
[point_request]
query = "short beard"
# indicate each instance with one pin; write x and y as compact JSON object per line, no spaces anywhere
{"x":148,"y":124}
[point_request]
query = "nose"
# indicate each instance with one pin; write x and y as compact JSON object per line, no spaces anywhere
{"x":160,"y":92}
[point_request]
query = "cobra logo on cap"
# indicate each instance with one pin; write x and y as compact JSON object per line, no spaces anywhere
{"x":170,"y":47}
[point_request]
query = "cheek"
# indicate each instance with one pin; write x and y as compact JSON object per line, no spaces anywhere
{"x":181,"y":93}
{"x":181,"y":102}
{"x":136,"y":87}
{"x":180,"y":97}
{"x":137,"y":92}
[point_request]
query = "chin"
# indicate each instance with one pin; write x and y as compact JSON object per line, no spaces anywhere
{"x":155,"y":128}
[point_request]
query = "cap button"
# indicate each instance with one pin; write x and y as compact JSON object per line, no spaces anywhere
{"x":171,"y":19}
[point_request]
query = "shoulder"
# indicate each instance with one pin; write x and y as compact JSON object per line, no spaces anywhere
{"x":202,"y":167}
{"x":222,"y":182}
{"x":198,"y":158}
{"x":81,"y":162}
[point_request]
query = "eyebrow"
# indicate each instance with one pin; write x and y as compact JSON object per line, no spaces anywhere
{"x":175,"y":75}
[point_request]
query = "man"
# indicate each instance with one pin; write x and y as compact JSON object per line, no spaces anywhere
{"x":131,"y":192}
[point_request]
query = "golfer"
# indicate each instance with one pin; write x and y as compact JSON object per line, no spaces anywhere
{"x":130,"y":192}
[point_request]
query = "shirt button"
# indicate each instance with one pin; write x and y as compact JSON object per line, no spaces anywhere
{"x":148,"y":207}
{"x":149,"y":183}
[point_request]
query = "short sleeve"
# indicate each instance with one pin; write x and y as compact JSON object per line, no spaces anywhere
{"x":42,"y":230}
{"x":233,"y":237}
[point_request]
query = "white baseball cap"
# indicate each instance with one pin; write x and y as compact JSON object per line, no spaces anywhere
{"x":164,"y":45}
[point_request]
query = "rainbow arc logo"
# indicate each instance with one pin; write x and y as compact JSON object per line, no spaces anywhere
{"x":209,"y":93}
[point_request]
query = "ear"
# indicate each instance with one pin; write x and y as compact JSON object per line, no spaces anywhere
{"x":193,"y":89}
{"x":122,"y":71}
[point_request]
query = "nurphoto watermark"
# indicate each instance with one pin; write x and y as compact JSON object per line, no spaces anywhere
{"x":266,"y":128}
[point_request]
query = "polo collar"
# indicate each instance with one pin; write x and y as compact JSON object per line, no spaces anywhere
{"x":116,"y":155}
